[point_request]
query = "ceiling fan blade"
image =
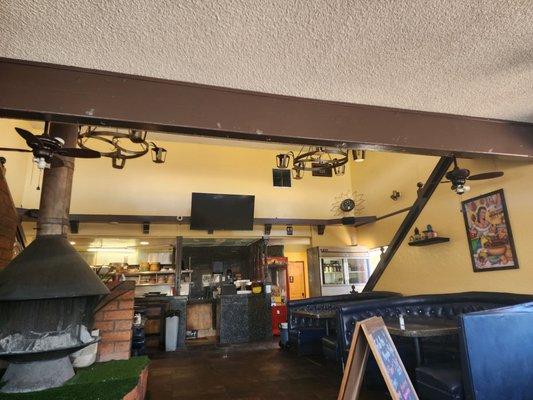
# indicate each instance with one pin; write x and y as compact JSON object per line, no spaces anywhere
{"x":19,"y":150}
{"x":485,"y":175}
{"x":79,"y":153}
{"x":30,"y":138}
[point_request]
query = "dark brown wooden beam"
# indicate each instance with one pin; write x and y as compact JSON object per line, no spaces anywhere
{"x":32,"y":90}
{"x":423,"y":197}
{"x":375,"y":219}
{"x":31,"y":215}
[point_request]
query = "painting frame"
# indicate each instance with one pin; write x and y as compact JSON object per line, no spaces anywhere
{"x":475,"y":253}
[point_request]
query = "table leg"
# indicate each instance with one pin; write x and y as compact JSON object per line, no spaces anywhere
{"x":418,"y":352}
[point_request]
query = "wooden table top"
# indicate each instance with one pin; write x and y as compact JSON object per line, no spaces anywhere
{"x":324,"y":314}
{"x":422,"y":327}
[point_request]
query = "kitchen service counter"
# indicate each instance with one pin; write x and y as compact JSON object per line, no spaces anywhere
{"x":243,"y":318}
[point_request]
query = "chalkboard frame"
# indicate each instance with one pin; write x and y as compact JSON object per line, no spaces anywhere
{"x":362,"y":343}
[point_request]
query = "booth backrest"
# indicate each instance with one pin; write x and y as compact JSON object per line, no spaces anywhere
{"x":497,"y":353}
{"x":427,"y":305}
{"x":329,"y":303}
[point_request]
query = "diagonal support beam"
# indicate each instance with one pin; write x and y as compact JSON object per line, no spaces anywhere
{"x":424,"y":194}
{"x":31,"y":90}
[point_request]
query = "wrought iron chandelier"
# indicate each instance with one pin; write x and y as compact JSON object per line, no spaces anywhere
{"x":314,"y":159}
{"x":120,"y":146}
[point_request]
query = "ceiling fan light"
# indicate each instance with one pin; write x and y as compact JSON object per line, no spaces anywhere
{"x":282,"y":161}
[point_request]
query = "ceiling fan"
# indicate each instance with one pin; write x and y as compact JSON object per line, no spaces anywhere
{"x":458,"y":177}
{"x":45,"y":149}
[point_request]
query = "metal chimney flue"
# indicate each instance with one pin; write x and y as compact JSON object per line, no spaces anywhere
{"x":56,"y":191}
{"x":48,"y":292}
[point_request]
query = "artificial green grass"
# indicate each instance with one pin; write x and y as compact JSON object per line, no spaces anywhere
{"x":102,"y":381}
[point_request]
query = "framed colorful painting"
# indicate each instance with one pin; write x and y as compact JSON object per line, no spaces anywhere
{"x":489,"y":232}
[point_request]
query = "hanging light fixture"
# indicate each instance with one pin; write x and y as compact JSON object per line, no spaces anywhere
{"x":159,"y":154}
{"x":314,"y":159}
{"x":358,"y":155}
{"x":118,"y":145}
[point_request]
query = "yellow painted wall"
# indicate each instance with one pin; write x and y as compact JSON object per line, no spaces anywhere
{"x":145,"y":188}
{"x":18,"y":165}
{"x":444,"y":267}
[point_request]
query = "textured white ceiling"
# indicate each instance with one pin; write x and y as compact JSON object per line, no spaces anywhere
{"x":460,"y":57}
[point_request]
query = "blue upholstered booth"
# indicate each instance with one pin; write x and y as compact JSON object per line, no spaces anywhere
{"x":305,"y":333}
{"x":449,"y":306}
{"x":496,"y":358}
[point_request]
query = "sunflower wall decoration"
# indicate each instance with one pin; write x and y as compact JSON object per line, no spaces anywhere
{"x":348,"y":204}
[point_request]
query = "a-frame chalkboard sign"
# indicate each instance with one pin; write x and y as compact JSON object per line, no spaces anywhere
{"x":372,"y":335}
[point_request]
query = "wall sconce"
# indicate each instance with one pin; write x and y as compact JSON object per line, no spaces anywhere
{"x":159,"y":154}
{"x":395,"y":195}
{"x":282,"y":161}
{"x":358,"y":155}
{"x":146,"y":228}
{"x":74,"y":226}
{"x":289,"y":230}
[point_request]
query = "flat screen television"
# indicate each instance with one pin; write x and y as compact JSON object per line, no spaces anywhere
{"x":222,"y":212}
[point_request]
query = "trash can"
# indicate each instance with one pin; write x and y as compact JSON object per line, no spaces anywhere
{"x":171,"y":330}
{"x":138,"y":337}
{"x":284,"y":334}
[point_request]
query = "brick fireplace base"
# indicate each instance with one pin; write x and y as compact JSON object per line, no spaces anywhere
{"x":115,"y":320}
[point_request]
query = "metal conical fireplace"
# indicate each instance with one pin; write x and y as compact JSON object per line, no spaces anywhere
{"x":47,"y":293}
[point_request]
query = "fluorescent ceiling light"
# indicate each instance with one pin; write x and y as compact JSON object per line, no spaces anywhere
{"x":72,"y":243}
{"x":111,"y":249}
{"x":144,"y":243}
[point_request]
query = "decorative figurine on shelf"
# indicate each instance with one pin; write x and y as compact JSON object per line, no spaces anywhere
{"x":429,"y":232}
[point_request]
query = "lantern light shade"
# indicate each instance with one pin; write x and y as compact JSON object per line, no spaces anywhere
{"x":137,"y":136}
{"x":340,"y":170}
{"x":282,"y":160}
{"x":159,"y":154}
{"x":359,"y":155}
{"x":298,"y":173}
{"x":118,"y":162}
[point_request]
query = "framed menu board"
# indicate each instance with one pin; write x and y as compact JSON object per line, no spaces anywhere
{"x":372,"y":335}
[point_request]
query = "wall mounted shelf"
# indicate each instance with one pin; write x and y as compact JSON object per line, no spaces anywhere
{"x":430,"y":241}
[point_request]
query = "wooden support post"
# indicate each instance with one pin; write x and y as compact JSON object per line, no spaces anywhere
{"x":424,"y":194}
